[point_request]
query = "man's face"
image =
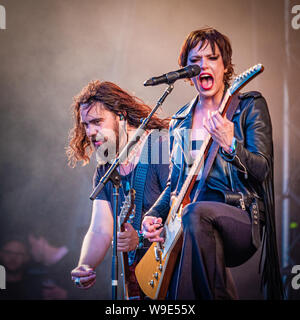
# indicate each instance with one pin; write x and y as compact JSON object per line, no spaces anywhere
{"x":14,"y":256}
{"x":210,"y":80}
{"x":102,"y":128}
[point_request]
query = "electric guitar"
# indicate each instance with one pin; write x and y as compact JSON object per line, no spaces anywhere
{"x":155,"y":269}
{"x":126,"y":215}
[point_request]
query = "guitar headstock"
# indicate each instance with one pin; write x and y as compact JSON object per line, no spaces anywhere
{"x":128,"y":209}
{"x":241,"y":80}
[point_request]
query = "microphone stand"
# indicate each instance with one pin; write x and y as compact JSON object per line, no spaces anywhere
{"x":113,"y":175}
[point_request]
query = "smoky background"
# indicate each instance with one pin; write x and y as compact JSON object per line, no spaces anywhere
{"x":51,"y":49}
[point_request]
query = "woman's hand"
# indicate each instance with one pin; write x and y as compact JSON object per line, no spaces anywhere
{"x":221,"y":129}
{"x":152,"y":228}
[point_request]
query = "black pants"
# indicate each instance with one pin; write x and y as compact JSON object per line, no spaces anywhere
{"x":215,"y":236}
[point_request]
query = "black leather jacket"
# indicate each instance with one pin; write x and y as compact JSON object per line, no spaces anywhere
{"x":243,"y":172}
{"x":249,"y":170}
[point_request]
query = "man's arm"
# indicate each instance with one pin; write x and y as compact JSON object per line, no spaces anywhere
{"x":99,"y":235}
{"x":95,"y":244}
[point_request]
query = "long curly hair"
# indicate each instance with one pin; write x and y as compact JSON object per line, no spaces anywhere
{"x":114,"y":99}
{"x":213,"y":37}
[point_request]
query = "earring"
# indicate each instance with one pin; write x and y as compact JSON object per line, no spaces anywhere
{"x":123,"y":123}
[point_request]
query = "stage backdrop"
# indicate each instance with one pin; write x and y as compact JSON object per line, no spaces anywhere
{"x":49,"y":50}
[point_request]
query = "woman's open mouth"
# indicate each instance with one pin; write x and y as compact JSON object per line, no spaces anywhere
{"x":206,"y":81}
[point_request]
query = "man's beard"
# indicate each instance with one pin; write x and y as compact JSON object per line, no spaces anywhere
{"x":113,"y":142}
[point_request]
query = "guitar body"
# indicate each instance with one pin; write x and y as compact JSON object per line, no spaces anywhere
{"x":131,"y":288}
{"x":148,"y":267}
{"x":130,"y":285}
{"x":155,"y":269}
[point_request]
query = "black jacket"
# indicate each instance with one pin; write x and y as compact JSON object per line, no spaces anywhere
{"x":249,"y":170}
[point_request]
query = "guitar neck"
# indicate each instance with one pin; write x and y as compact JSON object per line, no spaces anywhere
{"x":199,"y":161}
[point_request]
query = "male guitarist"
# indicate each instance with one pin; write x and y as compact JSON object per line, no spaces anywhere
{"x":224,"y":221}
{"x":105,"y":119}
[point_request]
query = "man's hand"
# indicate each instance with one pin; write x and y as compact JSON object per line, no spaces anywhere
{"x":152,"y":228}
{"x":86,"y":274}
{"x":221,"y":129}
{"x":127,"y":240}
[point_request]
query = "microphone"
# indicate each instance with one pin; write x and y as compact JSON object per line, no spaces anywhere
{"x":169,"y":78}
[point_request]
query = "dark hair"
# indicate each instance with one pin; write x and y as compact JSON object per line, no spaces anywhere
{"x":13,"y":237}
{"x":213,"y":37}
{"x":56,"y":235}
{"x":114,"y":99}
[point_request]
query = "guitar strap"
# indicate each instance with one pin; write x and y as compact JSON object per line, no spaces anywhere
{"x":214,"y":149}
{"x":139,"y":182}
{"x":139,"y":186}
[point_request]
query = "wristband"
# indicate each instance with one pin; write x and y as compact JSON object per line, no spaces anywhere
{"x":141,"y":240}
{"x":232,"y":147}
